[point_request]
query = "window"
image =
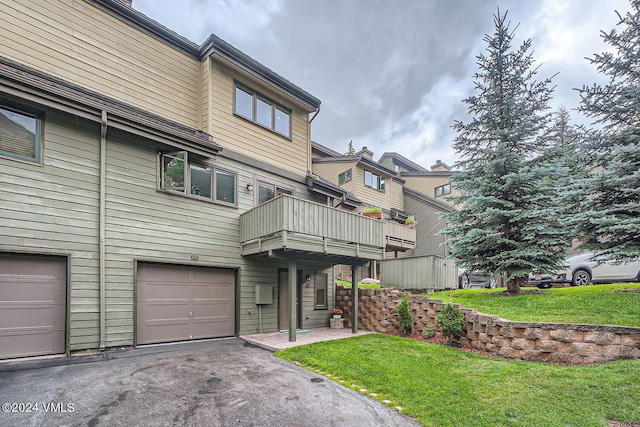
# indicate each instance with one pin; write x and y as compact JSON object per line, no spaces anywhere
{"x":443,"y":190}
{"x":282,"y":121}
{"x":20,"y":135}
{"x":344,"y":177}
{"x":320,"y":294}
{"x":374,"y":181}
{"x":244,"y":103}
{"x":179,"y":174}
{"x":225,"y":187}
{"x":268,"y":191}
{"x":264,"y":113}
{"x":262,"y":110}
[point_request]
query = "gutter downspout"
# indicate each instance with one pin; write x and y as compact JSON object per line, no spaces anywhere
{"x":309,"y":161}
{"x":314,"y":116}
{"x":102,"y":260}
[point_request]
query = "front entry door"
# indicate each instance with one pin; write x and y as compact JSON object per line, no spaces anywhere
{"x":283,"y":299}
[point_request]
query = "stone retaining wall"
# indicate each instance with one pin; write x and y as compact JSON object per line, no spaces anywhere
{"x":542,"y":342}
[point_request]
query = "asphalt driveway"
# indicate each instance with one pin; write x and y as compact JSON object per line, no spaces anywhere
{"x":212,"y":383}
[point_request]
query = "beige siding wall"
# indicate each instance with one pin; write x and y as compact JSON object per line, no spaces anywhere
{"x":331,"y":171}
{"x":79,"y":43}
{"x":428,"y":224}
{"x":397,"y":195}
{"x":243,"y":136}
{"x":391,"y":198}
{"x":427,"y":184}
{"x":53,"y":208}
{"x":371,"y":196}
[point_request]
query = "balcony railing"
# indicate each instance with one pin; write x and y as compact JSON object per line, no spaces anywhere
{"x":288,"y":223}
{"x":399,"y":236}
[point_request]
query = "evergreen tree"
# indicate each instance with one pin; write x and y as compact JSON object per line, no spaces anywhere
{"x":568,"y":159}
{"x":506,"y":220}
{"x":607,"y":219}
{"x":563,"y":134}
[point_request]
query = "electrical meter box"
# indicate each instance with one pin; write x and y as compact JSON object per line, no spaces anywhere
{"x":264,"y":294}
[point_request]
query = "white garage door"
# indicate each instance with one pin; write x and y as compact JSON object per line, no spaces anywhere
{"x":179,"y":303}
{"x":32,"y":305}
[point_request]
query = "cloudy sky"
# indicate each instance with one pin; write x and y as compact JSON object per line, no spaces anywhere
{"x":392,"y":74}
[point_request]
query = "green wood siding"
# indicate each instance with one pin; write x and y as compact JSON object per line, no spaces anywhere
{"x":53,"y":208}
{"x":427,"y":272}
{"x":428,"y":224}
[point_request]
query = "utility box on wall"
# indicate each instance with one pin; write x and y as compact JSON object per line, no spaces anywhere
{"x":264,"y":294}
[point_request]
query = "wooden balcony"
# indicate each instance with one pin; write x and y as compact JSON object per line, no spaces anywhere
{"x":289,"y":226}
{"x":399,"y":237}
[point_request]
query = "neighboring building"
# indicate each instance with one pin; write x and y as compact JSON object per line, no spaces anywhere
{"x":155,"y":190}
{"x":382,"y":184}
{"x":428,"y":210}
{"x":435,"y":182}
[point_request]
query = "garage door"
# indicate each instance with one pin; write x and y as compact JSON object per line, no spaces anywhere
{"x":178,"y":303}
{"x":32,"y":305}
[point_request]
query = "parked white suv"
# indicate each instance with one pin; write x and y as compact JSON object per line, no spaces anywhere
{"x":583,"y":268}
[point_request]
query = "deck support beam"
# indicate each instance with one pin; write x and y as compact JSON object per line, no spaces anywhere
{"x":354,"y":298}
{"x":293,"y":287}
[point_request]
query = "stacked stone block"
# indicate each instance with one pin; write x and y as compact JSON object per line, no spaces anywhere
{"x":532,"y":341}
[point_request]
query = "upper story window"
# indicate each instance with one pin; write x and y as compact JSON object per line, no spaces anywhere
{"x":179,"y":174}
{"x":263,"y":111}
{"x":344,"y":177}
{"x":443,"y":190}
{"x":373,"y":180}
{"x":20,"y":134}
{"x":268,"y":191}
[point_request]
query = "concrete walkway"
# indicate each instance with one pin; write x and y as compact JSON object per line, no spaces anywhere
{"x":275,"y":341}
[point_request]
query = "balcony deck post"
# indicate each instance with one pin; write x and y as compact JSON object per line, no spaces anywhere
{"x":354,"y":298}
{"x":293,"y":286}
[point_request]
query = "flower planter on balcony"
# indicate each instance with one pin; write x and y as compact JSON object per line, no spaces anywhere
{"x":377,"y":215}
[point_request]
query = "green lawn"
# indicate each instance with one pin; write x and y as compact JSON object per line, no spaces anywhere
{"x":598,"y":304}
{"x":347,"y":284}
{"x":442,"y":386}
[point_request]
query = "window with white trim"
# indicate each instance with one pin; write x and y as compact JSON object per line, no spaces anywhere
{"x":20,"y":134}
{"x":373,"y":180}
{"x":181,"y":175}
{"x":261,"y":110}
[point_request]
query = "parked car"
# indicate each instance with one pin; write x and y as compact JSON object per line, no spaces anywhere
{"x":481,"y":279}
{"x":583,"y":268}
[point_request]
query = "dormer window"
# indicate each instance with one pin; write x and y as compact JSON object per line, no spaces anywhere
{"x":344,"y":177}
{"x":443,"y":190}
{"x":261,"y":110}
{"x":374,"y":181}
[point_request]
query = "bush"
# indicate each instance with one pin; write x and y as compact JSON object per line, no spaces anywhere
{"x":429,"y":332}
{"x":406,"y":319}
{"x":451,"y":321}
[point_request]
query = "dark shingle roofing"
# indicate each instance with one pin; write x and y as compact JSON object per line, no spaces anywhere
{"x":401,"y":159}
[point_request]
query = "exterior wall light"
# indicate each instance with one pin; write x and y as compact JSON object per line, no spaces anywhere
{"x":249,"y":187}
